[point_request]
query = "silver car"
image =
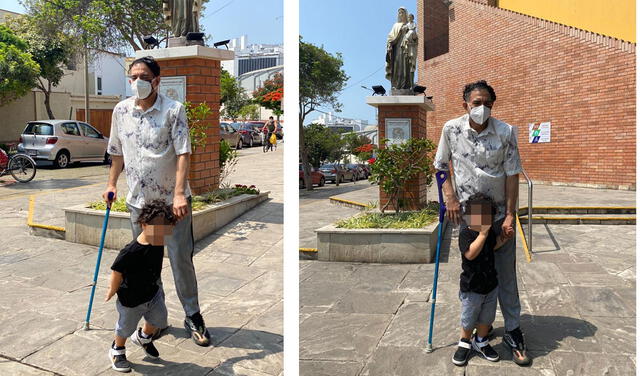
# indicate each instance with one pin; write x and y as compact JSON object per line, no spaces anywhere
{"x":63,"y":142}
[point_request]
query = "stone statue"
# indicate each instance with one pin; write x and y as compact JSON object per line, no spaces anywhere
{"x":182,"y":15}
{"x":402,"y":44}
{"x":410,"y":46}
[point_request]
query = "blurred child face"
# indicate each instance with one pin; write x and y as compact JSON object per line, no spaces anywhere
{"x":479,"y":217}
{"x":156,"y":231}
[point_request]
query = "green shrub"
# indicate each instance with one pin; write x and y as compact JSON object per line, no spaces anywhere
{"x":403,"y":220}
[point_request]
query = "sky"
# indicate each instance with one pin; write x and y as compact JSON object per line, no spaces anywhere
{"x":358,"y":29}
{"x":228,"y":19}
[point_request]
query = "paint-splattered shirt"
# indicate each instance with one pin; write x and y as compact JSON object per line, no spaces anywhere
{"x":150,"y":142}
{"x":481,"y":161}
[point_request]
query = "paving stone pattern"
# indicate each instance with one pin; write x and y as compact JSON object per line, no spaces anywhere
{"x":44,"y":286}
{"x":577,"y":296}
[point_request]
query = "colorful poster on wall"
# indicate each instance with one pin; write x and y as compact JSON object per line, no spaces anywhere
{"x":539,"y":133}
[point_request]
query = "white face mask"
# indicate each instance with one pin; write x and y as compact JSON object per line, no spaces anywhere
{"x":141,"y":89}
{"x":480,"y":114}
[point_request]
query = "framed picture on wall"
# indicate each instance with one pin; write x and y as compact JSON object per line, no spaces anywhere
{"x":174,"y":87}
{"x":397,"y":130}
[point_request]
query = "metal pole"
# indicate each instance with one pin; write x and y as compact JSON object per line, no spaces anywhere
{"x":87,"y":115}
{"x":530,"y":211}
{"x":441,"y":176}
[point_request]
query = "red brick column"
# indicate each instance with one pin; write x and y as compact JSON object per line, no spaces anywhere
{"x":203,"y":85}
{"x":415,"y":190}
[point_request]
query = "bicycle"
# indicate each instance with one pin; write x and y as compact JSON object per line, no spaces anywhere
{"x":21,"y":166}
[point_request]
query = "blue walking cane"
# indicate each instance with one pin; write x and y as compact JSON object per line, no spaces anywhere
{"x":441,"y":176}
{"x":95,"y":274}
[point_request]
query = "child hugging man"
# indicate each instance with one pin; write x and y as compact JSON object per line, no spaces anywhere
{"x":478,"y":281}
{"x":135,"y":277}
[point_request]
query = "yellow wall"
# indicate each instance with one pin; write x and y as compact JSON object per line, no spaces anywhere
{"x":611,"y":18}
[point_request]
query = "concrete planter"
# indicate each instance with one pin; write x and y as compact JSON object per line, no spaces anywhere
{"x":378,"y":245}
{"x":84,"y":225}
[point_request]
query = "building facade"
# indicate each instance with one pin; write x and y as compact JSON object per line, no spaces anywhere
{"x":569,"y":66}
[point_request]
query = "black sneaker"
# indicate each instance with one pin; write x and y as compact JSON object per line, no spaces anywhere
{"x":145,"y":343}
{"x":514,"y":341}
{"x":485,"y":350}
{"x":461,"y":355}
{"x":118,"y":359}
{"x":196,"y":328}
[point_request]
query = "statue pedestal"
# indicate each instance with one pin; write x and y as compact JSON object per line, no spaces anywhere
{"x":194,"y":75}
{"x":401,"y":117}
{"x":182,"y":41}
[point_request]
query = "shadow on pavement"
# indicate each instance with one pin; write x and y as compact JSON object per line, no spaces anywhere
{"x":331,"y":190}
{"x":544,"y":334}
{"x":267,"y":343}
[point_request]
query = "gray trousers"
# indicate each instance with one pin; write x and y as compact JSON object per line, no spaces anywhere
{"x":180,"y":247}
{"x":508,"y":296}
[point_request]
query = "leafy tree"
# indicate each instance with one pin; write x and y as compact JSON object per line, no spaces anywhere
{"x":232,"y":95}
{"x":50,"y":48}
{"x":322,"y":144}
{"x":103,"y":24}
{"x":321,"y":79}
{"x":270,"y":95}
{"x":197,"y":119}
{"x":353,"y":142}
{"x":397,"y":163}
{"x":250,"y":111}
{"x":18,"y":70}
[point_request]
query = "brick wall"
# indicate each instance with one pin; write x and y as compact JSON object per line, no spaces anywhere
{"x":583,"y":83}
{"x":203,"y":85}
{"x":415,"y":191}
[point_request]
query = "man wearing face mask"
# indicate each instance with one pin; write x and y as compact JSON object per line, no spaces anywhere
{"x":484,"y":157}
{"x":150,"y":136}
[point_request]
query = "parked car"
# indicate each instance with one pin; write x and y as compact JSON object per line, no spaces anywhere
{"x":317,"y":177}
{"x":248,"y":133}
{"x":366,"y":169}
{"x":357,"y":171}
{"x":229,"y":134}
{"x":63,"y":142}
{"x":336,"y":173}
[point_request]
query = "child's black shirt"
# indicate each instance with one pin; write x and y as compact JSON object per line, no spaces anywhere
{"x":140,"y":266}
{"x":478,"y":275}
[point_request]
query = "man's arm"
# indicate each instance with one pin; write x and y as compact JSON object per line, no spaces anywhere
{"x":511,"y":197}
{"x":180,"y":205}
{"x":451,"y":200}
{"x":117,"y":163}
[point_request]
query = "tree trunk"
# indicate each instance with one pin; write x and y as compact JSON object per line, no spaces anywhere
{"x":47,"y":103}
{"x":304,"y":157}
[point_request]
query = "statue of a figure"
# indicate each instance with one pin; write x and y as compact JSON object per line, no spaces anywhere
{"x":410,"y":46}
{"x":402,"y":44}
{"x":182,"y":15}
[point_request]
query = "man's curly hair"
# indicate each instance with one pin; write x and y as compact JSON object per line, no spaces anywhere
{"x":154,"y":209}
{"x":478,"y":85}
{"x":480,"y":199}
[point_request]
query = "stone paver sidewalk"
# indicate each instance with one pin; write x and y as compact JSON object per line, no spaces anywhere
{"x":44,"y":294}
{"x":578,"y":304}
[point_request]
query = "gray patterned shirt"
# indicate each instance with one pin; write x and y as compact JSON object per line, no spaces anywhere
{"x":481,"y":161}
{"x":150,"y":142}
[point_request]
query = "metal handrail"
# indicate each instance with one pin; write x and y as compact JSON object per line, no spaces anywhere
{"x":529,"y":210}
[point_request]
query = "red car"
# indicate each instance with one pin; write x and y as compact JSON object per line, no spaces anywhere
{"x":317,"y":177}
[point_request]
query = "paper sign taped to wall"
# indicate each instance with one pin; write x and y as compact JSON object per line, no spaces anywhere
{"x":539,"y":133}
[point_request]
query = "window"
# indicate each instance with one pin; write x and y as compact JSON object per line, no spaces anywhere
{"x":99,"y":85}
{"x":436,"y":28}
{"x":89,"y":131}
{"x":70,"y":129}
{"x":40,"y":129}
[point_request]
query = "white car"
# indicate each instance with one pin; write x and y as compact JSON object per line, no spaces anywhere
{"x":63,"y":142}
